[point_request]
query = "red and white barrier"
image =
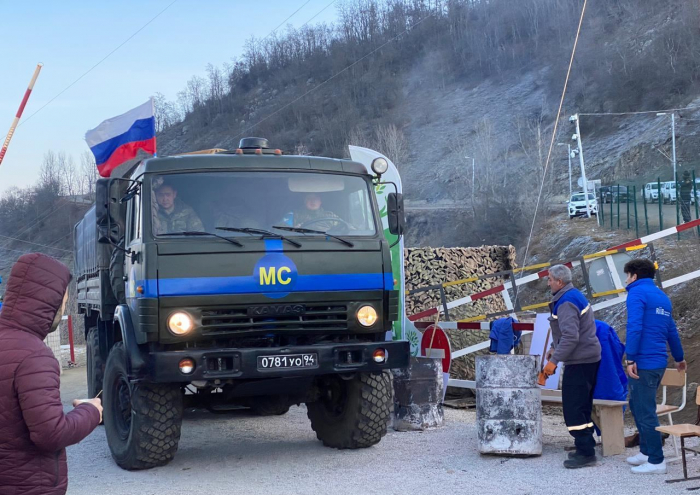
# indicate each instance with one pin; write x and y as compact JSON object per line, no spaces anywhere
{"x":543,"y":273}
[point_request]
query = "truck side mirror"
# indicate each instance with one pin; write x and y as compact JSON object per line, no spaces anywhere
{"x":395,"y":213}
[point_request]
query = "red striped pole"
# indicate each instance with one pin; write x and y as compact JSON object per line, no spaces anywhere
{"x":70,"y":339}
{"x":11,"y":132}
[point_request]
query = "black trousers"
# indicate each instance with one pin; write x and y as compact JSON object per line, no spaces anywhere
{"x":577,"y":398}
{"x":685,"y":210}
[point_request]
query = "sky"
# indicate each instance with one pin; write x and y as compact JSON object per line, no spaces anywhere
{"x":69,"y":37}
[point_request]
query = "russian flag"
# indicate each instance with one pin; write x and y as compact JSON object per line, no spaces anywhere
{"x":119,"y":139}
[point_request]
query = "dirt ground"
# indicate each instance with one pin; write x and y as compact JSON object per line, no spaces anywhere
{"x":242,"y":453}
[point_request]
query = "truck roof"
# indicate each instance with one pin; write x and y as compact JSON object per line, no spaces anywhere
{"x":229,"y":161}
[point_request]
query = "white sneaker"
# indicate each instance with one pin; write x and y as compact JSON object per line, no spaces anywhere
{"x":648,"y":468}
{"x":637,"y":460}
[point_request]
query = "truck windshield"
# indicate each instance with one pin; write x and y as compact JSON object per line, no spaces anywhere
{"x":204,"y":201}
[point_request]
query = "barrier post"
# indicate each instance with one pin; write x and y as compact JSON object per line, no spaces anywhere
{"x":646,"y":213}
{"x":661,"y":206}
{"x":618,"y":207}
{"x":697,"y":199}
{"x":678,"y":204}
{"x":612,"y":216}
{"x":70,"y":339}
{"x":443,"y":300}
{"x":601,"y":209}
{"x":636,"y":221}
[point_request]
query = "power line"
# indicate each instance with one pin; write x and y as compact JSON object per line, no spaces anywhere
{"x":551,"y":144}
{"x":36,"y":243}
{"x":318,"y":13}
{"x":331,"y":78}
{"x":639,"y":113}
{"x":284,"y":21}
{"x":36,"y":222}
{"x":98,"y":63}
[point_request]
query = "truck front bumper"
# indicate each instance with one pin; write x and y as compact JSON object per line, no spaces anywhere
{"x":243,"y":364}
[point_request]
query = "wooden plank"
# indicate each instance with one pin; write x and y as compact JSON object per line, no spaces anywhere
{"x":612,"y":427}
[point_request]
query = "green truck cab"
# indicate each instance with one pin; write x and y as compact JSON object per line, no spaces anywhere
{"x":245,"y":278}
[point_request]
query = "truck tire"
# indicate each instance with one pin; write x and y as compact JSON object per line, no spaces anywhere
{"x":353,"y":414}
{"x":270,"y":406}
{"x":116,"y":273}
{"x":95,"y":364}
{"x":142,"y":420}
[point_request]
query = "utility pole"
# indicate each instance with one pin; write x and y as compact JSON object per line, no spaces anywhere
{"x":577,"y":138}
{"x":571,"y":188}
{"x":673,"y":141}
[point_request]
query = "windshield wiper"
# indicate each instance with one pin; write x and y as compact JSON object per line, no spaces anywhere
{"x":312,"y":231}
{"x":193,"y":233}
{"x":263,"y":233}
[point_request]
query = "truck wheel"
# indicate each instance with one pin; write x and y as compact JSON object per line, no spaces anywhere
{"x":270,"y":406}
{"x":352,"y":414}
{"x":95,"y":364}
{"x":116,"y":273}
{"x":142,"y":420}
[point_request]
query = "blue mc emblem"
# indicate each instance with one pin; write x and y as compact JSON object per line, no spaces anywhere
{"x":276,"y":275}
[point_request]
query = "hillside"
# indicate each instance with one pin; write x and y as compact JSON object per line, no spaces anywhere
{"x":464,"y":78}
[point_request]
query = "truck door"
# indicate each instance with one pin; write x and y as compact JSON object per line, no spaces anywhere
{"x":133,"y":264}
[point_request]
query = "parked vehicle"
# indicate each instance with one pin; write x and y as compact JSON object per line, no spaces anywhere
{"x":651,"y":192}
{"x":616,"y":194}
{"x":577,"y":204}
{"x":668,"y":192}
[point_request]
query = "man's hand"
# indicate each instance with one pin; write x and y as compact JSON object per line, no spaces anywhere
{"x":95,"y":402}
{"x":632,"y":371}
{"x":682,"y":366}
{"x":548,"y":371}
{"x":549,"y":354}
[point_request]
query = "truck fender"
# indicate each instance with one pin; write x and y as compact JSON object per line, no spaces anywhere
{"x":136,"y":358}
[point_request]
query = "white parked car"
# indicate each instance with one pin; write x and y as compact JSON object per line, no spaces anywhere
{"x":651,"y":192}
{"x":577,"y":204}
{"x":668,"y":192}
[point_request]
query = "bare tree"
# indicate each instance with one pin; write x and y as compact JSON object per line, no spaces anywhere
{"x":392,"y":142}
{"x":88,"y":174}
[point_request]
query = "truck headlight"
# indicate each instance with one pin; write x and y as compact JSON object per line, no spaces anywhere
{"x":367,"y":316}
{"x":180,"y":323}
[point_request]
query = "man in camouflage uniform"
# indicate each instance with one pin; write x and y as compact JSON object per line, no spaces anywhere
{"x":172,"y":215}
{"x":314,"y":210}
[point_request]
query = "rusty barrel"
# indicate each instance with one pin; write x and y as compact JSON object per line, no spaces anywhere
{"x":418,"y":395}
{"x":508,"y":405}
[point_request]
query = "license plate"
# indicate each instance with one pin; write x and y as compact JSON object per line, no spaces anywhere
{"x":277,"y":310}
{"x":288,"y":361}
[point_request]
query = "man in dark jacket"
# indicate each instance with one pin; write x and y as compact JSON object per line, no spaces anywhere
{"x":686,"y":192}
{"x":574,"y":342}
{"x":650,"y":327}
{"x":34,"y":431}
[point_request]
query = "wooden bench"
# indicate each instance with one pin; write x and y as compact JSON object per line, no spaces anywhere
{"x":607,"y":415}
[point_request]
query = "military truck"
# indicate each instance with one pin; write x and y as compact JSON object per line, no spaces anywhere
{"x":236,"y":279}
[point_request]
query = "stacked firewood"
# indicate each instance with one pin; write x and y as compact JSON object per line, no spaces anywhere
{"x":434,"y":266}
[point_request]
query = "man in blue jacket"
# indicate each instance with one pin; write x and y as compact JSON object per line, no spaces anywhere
{"x":650,"y":327}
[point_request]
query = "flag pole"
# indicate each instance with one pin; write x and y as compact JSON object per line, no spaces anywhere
{"x":11,"y":132}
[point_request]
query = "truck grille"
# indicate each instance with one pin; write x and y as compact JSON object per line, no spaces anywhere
{"x":317,"y":317}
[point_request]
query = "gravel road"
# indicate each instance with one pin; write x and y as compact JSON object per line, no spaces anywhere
{"x":242,"y":453}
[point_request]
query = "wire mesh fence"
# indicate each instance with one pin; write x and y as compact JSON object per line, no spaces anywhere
{"x":651,"y":207}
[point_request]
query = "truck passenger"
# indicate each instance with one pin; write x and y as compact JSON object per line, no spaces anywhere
{"x":172,"y":214}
